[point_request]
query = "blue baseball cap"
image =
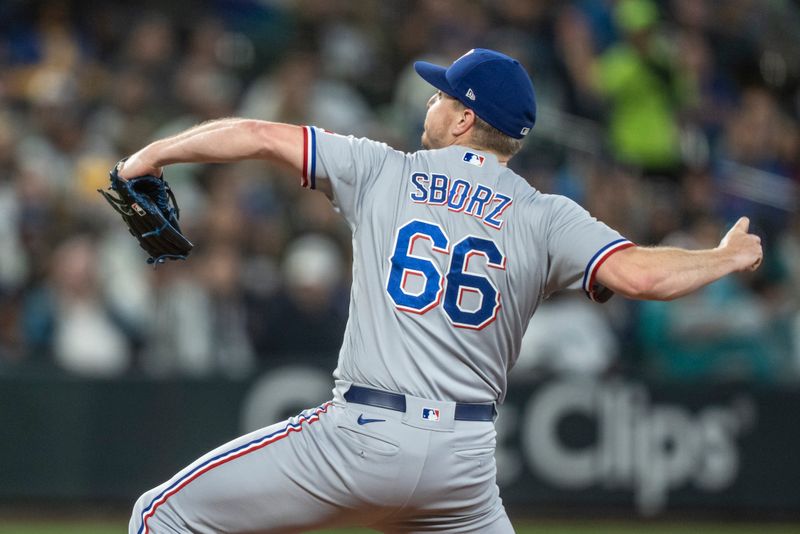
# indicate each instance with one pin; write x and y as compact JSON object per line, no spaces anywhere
{"x":493,"y":85}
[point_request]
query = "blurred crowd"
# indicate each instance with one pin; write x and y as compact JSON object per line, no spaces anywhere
{"x":668,"y":120}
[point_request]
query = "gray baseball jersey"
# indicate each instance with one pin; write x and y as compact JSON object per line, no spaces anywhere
{"x":453,"y":252}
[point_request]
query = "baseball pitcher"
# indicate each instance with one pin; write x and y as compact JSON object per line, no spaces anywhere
{"x":453,"y":252}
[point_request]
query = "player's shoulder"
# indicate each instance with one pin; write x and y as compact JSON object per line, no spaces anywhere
{"x":521,"y":190}
{"x":556,"y":202}
{"x":538,"y":208}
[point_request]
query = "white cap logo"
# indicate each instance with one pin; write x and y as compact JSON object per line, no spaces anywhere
{"x":470,"y":94}
{"x":524,"y":131}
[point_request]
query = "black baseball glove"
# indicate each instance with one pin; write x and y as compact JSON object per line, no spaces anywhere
{"x":148,"y":207}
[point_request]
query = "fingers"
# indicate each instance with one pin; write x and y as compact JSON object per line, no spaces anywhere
{"x":742,"y":224}
{"x":136,"y":165}
{"x":743,"y":245}
{"x":120,"y":167}
{"x":127,"y":169}
{"x":756,"y":264}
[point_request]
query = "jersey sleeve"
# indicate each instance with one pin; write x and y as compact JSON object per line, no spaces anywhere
{"x":577,"y":245}
{"x":351,"y":165}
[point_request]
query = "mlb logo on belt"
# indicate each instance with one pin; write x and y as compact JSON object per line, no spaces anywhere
{"x":430,"y":414}
{"x":474,"y":159}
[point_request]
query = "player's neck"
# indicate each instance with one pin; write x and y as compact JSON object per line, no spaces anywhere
{"x":466,"y":141}
{"x":502,"y":160}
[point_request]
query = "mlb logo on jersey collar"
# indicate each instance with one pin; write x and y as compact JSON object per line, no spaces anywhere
{"x":474,"y":159}
{"x":431,"y":414}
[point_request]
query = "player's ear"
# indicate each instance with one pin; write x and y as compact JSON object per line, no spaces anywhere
{"x":466,"y":119}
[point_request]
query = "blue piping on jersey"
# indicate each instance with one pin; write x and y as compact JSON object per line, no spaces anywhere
{"x":591,"y":261}
{"x":312,"y":172}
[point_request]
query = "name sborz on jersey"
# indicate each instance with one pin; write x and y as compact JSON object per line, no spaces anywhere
{"x":459,"y":195}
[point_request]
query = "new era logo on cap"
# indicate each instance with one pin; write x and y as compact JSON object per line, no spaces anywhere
{"x":471,"y":94}
{"x":430,"y":414}
{"x":524,"y":131}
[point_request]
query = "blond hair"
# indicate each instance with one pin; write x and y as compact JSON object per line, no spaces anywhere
{"x":487,"y":137}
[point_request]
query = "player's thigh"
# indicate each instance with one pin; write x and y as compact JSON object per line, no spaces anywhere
{"x":265,"y":481}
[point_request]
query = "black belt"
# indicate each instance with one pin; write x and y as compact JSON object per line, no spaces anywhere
{"x":397,"y":402}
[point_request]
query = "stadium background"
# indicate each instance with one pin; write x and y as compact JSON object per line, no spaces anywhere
{"x":667,"y":120}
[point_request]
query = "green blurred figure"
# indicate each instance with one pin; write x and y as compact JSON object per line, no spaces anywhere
{"x":638,"y":78}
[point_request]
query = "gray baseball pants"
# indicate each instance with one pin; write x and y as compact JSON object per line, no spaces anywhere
{"x":393,"y":472}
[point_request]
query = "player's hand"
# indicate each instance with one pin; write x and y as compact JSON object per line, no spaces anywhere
{"x":137,"y":165}
{"x":745,"y":248}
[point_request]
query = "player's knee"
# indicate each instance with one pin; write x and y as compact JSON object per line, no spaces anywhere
{"x":134,"y":526}
{"x":152,"y":515}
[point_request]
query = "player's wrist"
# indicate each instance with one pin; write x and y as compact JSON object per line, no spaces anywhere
{"x":152,"y":155}
{"x":148,"y":160}
{"x":725,"y":256}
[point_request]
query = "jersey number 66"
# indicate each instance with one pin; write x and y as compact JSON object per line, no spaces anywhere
{"x":453,"y":285}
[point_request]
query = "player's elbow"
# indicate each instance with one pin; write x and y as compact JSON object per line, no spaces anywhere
{"x":644,"y":285}
{"x":627,"y":275}
{"x":277,"y":142}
